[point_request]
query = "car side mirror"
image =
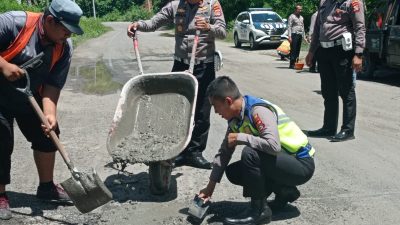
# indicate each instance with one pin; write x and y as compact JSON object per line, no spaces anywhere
{"x":284,"y":20}
{"x":246,"y":21}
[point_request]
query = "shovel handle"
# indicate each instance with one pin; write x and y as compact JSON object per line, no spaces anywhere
{"x":53,"y":135}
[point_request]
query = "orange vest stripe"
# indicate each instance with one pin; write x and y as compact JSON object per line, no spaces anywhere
{"x":23,"y":38}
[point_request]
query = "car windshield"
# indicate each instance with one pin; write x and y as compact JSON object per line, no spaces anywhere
{"x":265,"y":18}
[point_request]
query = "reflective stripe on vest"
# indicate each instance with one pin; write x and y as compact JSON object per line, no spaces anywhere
{"x":23,"y":37}
{"x":292,"y":139}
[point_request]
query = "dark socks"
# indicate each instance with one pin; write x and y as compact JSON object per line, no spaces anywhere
{"x":46,"y":186}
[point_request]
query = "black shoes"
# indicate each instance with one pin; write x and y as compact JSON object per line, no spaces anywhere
{"x":258,"y":213}
{"x":283,"y":196}
{"x":323,"y":132}
{"x":291,"y":66}
{"x":313,"y":70}
{"x":194,"y":160}
{"x":343,"y":136}
{"x":54,"y":193}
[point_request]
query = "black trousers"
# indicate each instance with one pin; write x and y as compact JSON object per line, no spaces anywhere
{"x":204,"y":73}
{"x":335,"y":67}
{"x":30,"y":126}
{"x":295,"y":47}
{"x":260,"y":173}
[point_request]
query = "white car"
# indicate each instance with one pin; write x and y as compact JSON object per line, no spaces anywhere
{"x":259,"y":26}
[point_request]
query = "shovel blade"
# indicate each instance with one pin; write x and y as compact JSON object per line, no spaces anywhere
{"x":88,"y":192}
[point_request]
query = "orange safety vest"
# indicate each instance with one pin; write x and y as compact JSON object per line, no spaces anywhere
{"x":23,"y":38}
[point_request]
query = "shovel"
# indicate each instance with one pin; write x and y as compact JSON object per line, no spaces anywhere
{"x":87,"y":191}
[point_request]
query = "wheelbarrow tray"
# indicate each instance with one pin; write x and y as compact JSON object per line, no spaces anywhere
{"x":154,"y":118}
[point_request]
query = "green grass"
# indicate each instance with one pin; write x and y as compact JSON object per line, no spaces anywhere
{"x":92,"y":28}
{"x":98,"y":80}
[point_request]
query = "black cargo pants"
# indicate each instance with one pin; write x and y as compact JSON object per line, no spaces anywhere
{"x":204,"y":73}
{"x":260,"y":173}
{"x":335,"y":67}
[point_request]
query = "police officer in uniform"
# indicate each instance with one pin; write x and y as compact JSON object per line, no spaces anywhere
{"x":296,"y":34}
{"x":338,"y":43}
{"x":189,"y":16}
{"x":276,"y":155}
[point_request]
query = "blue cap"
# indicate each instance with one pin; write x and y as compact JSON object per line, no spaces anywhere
{"x":69,"y":14}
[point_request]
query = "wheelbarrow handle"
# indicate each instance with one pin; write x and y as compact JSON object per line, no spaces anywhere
{"x":193,"y":56}
{"x":136,"y":48}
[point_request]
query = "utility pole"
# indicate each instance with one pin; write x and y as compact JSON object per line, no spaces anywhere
{"x":94,"y":9}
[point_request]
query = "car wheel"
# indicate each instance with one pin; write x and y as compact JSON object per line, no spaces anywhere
{"x":236,"y":41}
{"x":369,"y":65}
{"x":253,"y":44}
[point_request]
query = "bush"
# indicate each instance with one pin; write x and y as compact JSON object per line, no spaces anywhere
{"x":92,"y":28}
{"x":133,"y":14}
{"x":12,"y":5}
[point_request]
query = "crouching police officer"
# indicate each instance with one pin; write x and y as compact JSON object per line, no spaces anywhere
{"x":338,"y":43}
{"x":189,"y":16}
{"x":276,"y":158}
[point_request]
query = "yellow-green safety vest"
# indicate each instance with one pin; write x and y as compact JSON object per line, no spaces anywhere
{"x":292,"y":139}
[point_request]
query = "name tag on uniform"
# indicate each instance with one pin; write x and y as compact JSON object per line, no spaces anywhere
{"x":347,"y":41}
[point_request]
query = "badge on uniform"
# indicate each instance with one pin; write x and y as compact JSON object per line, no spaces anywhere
{"x":217,"y":9}
{"x":179,"y":28}
{"x":181,"y":11}
{"x":259,"y":123}
{"x":355,"y":4}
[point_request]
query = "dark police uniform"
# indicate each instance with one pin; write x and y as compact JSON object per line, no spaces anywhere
{"x":182,"y":14}
{"x":337,"y":18}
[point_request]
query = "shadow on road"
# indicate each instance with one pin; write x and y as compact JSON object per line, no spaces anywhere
{"x":135,"y":187}
{"x":22,"y":200}
{"x":220,"y":210}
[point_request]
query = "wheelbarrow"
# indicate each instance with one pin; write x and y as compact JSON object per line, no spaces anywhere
{"x":86,"y":190}
{"x":154,"y":120}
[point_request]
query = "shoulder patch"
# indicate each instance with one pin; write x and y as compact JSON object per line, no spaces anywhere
{"x":355,"y":5}
{"x":217,"y":9}
{"x":259,"y":123}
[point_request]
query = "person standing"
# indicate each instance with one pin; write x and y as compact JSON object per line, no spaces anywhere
{"x":296,"y":34}
{"x":24,"y":35}
{"x":310,"y":34}
{"x":276,"y":156}
{"x":189,"y":16}
{"x":338,"y":43}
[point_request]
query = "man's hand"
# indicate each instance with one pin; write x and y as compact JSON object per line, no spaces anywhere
{"x":207,"y":192}
{"x":309,"y":59}
{"x":132,"y":29}
{"x":201,"y":24}
{"x":232,"y":140}
{"x":11,"y":71}
{"x":289,"y":39}
{"x":53,"y":124}
{"x":357,"y":63}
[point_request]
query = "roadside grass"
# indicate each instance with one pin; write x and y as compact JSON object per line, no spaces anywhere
{"x":92,"y":28}
{"x":98,"y":80}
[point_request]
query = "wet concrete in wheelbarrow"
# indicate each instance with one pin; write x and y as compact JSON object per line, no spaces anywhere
{"x":159,"y":130}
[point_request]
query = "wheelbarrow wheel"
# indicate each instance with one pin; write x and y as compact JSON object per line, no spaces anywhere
{"x":160,"y":177}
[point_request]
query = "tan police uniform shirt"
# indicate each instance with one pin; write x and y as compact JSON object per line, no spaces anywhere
{"x":336,"y":17}
{"x":182,"y":14}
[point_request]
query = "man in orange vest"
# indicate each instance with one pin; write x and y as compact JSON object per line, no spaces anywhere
{"x":24,"y":35}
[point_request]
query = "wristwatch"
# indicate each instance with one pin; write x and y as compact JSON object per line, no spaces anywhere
{"x":359,"y":55}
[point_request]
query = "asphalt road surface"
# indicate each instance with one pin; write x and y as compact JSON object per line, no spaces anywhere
{"x":355,"y":182}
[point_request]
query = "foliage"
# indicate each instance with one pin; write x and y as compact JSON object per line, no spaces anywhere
{"x":12,"y":5}
{"x":92,"y":28}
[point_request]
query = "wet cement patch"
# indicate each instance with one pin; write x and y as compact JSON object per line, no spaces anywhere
{"x":158,"y":130}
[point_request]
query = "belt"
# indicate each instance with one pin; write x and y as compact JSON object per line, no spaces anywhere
{"x":330,"y":44}
{"x":187,"y":61}
{"x":305,"y":152}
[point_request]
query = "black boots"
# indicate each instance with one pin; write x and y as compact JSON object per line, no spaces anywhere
{"x":258,"y":213}
{"x":283,"y":196}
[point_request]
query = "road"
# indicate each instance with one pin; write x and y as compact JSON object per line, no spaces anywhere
{"x":355,"y":182}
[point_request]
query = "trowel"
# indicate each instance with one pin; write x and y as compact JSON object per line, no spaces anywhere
{"x":198,"y":208}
